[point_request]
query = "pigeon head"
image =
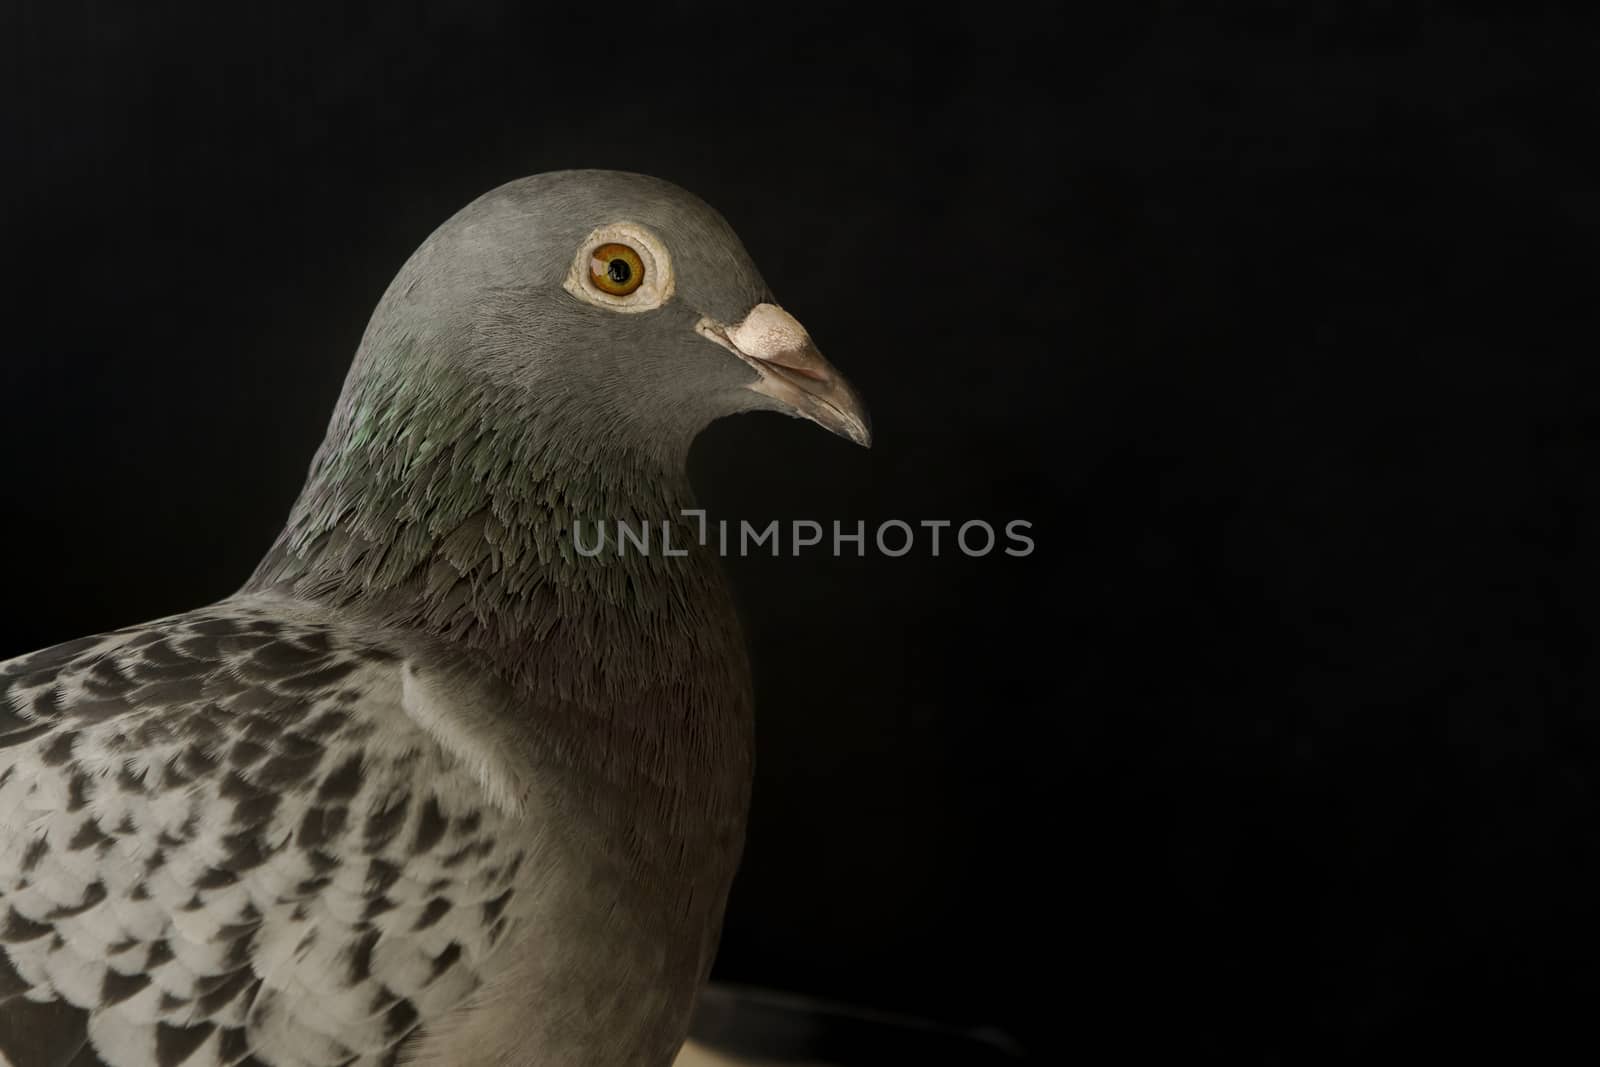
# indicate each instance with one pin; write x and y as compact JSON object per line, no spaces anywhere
{"x":544,"y":359}
{"x":615,"y":305}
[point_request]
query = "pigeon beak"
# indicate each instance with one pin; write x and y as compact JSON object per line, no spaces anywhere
{"x":792,"y":371}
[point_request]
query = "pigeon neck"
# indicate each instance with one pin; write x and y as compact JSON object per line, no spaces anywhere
{"x":487,"y":539}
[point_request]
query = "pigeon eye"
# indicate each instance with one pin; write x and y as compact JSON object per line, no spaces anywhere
{"x":616,"y":269}
{"x":622,"y":267}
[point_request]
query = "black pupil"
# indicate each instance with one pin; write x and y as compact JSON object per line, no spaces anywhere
{"x":618,"y":271}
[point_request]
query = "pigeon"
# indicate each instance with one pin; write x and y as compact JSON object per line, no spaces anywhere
{"x":438,"y":786}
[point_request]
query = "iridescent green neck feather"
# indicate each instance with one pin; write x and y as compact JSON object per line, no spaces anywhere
{"x":449,"y":507}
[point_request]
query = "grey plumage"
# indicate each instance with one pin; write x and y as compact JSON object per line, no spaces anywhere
{"x":433,"y":788}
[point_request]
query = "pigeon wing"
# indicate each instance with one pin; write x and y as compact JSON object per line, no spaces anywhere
{"x":223,"y":840}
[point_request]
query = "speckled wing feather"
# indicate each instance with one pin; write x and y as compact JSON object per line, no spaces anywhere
{"x":223,"y":841}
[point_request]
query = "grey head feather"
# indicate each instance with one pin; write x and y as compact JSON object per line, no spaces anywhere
{"x":482,"y":302}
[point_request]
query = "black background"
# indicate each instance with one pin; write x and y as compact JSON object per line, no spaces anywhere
{"x":1273,"y":319}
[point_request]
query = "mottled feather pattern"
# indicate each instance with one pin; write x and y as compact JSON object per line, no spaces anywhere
{"x":223,"y":842}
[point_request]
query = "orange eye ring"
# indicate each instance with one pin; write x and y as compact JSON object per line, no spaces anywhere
{"x":616,"y":269}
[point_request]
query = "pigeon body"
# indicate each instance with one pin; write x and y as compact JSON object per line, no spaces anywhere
{"x":435,"y":787}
